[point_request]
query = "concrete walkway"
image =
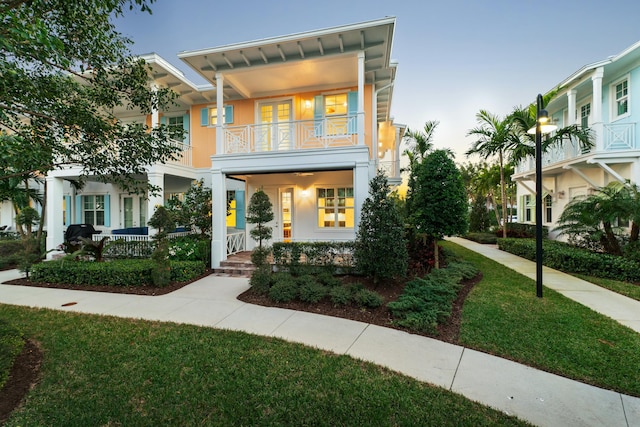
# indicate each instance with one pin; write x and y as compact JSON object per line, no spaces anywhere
{"x":539,"y":397}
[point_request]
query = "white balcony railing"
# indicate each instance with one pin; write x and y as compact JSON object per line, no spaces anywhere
{"x":184,"y":156}
{"x":391,"y":168}
{"x":620,"y":137}
{"x":235,"y":241}
{"x":338,"y":131}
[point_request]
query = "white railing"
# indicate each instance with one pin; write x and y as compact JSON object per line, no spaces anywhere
{"x":136,"y":237}
{"x":183,"y":157}
{"x":391,"y":168}
{"x":339,"y":131}
{"x":620,"y":136}
{"x":235,"y":241}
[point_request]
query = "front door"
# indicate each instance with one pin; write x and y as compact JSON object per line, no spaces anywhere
{"x":282,"y":223}
{"x":274,"y":132}
{"x":126,"y":212}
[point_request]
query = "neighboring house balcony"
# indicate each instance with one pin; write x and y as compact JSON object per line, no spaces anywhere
{"x":184,"y":157}
{"x":616,"y":137}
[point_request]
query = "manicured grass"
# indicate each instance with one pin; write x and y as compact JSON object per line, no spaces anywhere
{"x":108,"y":371}
{"x":630,"y":290}
{"x":503,"y":316}
{"x":11,"y":344}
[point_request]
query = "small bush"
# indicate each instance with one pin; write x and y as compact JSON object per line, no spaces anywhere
{"x":328,"y":279}
{"x":367,"y":298}
{"x":261,"y":280}
{"x":10,"y":252}
{"x":284,"y":289}
{"x":260,"y":255}
{"x":312,"y":291}
{"x":184,"y":271}
{"x":341,"y":295}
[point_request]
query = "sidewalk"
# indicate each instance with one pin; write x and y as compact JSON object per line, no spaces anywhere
{"x":539,"y":397}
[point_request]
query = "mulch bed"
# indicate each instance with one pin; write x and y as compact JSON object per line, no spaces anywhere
{"x":25,"y":372}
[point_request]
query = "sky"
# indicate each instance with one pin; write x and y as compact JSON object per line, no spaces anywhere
{"x":455,"y":57}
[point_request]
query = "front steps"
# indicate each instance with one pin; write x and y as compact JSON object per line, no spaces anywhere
{"x":236,"y":265}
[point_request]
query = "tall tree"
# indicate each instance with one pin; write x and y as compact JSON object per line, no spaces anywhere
{"x":437,"y":201}
{"x":65,"y":69}
{"x":381,"y":250}
{"x":496,"y":136}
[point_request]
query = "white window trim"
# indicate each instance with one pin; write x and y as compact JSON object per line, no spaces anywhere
{"x":612,"y":97}
{"x":94,"y":210}
{"x":317,"y":208}
{"x":579,"y":106}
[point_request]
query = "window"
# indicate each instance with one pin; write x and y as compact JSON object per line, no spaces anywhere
{"x":335,"y":207}
{"x":231,"y":209}
{"x":176,"y":127}
{"x":620,"y":92}
{"x":585,"y":112}
{"x":339,"y":112}
{"x":93,"y":210}
{"x":209,"y":115}
{"x":528,"y":208}
{"x":548,"y":202}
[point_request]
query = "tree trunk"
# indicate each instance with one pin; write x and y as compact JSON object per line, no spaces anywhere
{"x":44,"y":210}
{"x":611,"y":246}
{"x":635,"y":231}
{"x":503,"y":189}
{"x":436,"y":253}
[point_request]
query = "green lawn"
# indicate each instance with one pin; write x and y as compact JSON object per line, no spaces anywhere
{"x":630,"y":290}
{"x":109,"y":371}
{"x":503,"y":316}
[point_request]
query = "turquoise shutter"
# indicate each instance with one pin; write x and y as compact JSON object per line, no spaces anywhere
{"x":240,"y":216}
{"x":67,"y":210}
{"x":318,"y":115}
{"x":352,"y":112}
{"x":78,"y":218}
{"x":185,"y":127}
{"x":228,"y":114}
{"x":204,"y":117}
{"x":163,"y":120}
{"x":107,"y":210}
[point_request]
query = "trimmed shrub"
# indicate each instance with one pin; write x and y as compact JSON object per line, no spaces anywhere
{"x":311,"y":291}
{"x":563,"y":257}
{"x":284,"y":288}
{"x":300,"y":258}
{"x":113,"y":273}
{"x":484,"y":238}
{"x":261,"y":280}
{"x":10,"y":252}
{"x":428,"y":301}
{"x":522,"y":231}
{"x":328,"y":280}
{"x":341,"y":295}
{"x":367,"y":298}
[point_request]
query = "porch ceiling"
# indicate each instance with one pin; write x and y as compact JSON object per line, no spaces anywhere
{"x":305,"y":61}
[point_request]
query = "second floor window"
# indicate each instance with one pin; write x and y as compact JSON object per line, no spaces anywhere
{"x":176,"y":127}
{"x":621,"y":98}
{"x":585,"y":112}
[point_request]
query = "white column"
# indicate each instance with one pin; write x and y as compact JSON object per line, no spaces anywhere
{"x":156,"y":179}
{"x":571,"y":107}
{"x":155,"y":115}
{"x":396,"y":154}
{"x":218,"y":218}
{"x":220,"y":109}
{"x":360,"y":189}
{"x":596,"y":108}
{"x":361,"y":98}
{"x":54,"y":216}
{"x":375,"y":138}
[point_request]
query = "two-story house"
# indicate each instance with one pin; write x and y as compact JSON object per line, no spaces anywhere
{"x":305,"y":117}
{"x":604,"y":96}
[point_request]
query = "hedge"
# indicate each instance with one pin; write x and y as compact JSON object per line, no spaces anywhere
{"x":570,"y":259}
{"x":313,"y":257}
{"x":10,"y":252}
{"x":112,"y":273}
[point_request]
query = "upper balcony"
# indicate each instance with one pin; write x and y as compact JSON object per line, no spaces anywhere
{"x":614,"y":137}
{"x":337,"y":131}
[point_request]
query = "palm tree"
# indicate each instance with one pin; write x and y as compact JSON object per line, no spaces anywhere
{"x":496,"y":136}
{"x":420,"y":142}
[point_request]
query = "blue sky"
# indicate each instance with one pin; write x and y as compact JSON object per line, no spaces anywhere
{"x":455,"y":56}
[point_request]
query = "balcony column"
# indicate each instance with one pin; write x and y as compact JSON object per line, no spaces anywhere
{"x":155,"y":114}
{"x":54,"y":214}
{"x":360,"y":189}
{"x":596,"y":108}
{"x":396,"y":154}
{"x":156,"y":179}
{"x":571,"y":101}
{"x":218,"y":218}
{"x":220,"y":112}
{"x":360,"y":98}
{"x":375,"y":137}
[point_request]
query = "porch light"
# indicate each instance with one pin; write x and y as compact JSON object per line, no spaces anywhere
{"x":543,"y":125}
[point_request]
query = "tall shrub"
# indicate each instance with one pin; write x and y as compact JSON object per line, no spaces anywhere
{"x":260,"y":212}
{"x":381,"y":250}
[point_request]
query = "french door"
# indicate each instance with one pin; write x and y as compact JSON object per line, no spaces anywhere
{"x":275,"y":130}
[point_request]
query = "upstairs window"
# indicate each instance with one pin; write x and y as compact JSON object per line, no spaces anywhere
{"x":585,"y":112}
{"x":620,"y":91}
{"x":209,"y":115}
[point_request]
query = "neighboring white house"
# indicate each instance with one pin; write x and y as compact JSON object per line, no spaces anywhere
{"x":604,"y":96}
{"x":305,"y":117}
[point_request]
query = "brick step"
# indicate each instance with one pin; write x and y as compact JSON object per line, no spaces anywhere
{"x":234,"y":264}
{"x":234,"y":271}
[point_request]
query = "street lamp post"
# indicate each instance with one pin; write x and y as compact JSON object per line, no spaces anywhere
{"x":542,"y":125}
